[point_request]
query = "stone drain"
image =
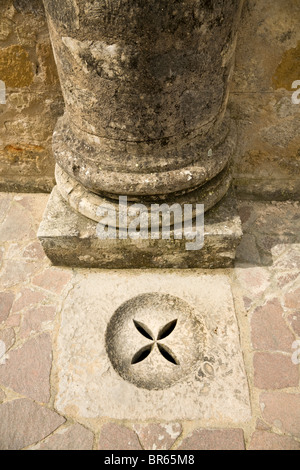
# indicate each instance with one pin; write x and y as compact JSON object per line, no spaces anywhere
{"x":150,"y":345}
{"x":164,"y":350}
{"x":155,"y":340}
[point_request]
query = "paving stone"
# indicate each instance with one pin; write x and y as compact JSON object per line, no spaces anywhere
{"x":262,"y":426}
{"x":17,"y":225}
{"x":269,"y":331}
{"x":2,"y":396}
{"x":33,"y":204}
{"x":27,"y":297}
{"x":18,"y":250}
{"x":15,"y":251}
{"x":283,"y":279}
{"x":74,"y":437}
{"x":34,"y":251}
{"x":290,"y":259}
{"x":254,"y":280}
{"x":6,"y":301}
{"x":36,"y":320}
{"x":27,"y":369}
{"x":158,"y":436}
{"x":16,"y":272}
{"x":276,"y":244}
{"x":2,"y":251}
{"x":274,"y":371}
{"x":13,"y":320}
{"x":282,"y":410}
{"x":116,"y":437}
{"x":53,"y":279}
{"x":294,"y":321}
{"x":23,"y":423}
{"x":5,"y":201}
{"x":262,"y":440}
{"x":7,"y":340}
{"x":271,"y":247}
{"x":214,"y":439}
{"x":30,"y":251}
{"x":23,"y":367}
{"x":292,"y":299}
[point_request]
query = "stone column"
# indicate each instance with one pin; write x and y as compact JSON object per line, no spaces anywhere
{"x":146,"y":86}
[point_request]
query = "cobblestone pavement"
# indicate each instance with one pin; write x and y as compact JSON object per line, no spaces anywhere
{"x":266,"y":289}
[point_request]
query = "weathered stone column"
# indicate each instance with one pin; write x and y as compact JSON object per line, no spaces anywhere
{"x":145,"y":85}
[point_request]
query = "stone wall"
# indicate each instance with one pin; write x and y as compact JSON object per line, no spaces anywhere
{"x":267,"y":63}
{"x":33,"y":98}
{"x":267,"y":161}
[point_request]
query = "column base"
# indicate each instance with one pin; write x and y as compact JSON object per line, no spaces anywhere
{"x":70,"y":239}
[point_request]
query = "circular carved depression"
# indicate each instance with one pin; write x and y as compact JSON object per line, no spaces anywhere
{"x":155,"y":340}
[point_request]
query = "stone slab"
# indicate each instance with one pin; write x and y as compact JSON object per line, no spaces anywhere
{"x":70,"y":239}
{"x":88,"y":386}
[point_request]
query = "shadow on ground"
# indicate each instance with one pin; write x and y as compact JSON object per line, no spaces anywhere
{"x":270,"y":229}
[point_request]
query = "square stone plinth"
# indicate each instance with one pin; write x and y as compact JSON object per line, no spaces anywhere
{"x":70,"y":239}
{"x":214,"y":388}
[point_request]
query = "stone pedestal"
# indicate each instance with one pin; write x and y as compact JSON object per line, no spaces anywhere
{"x":70,"y":239}
{"x":146,"y":87}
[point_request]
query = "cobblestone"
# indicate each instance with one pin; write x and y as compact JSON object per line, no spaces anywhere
{"x":266,"y":290}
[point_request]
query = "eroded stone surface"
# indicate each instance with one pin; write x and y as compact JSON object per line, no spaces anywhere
{"x":33,"y":98}
{"x":260,"y":98}
{"x":97,"y":390}
{"x":154,"y":340}
{"x":137,"y":94}
{"x":16,"y":69}
{"x":267,"y":159}
{"x":87,"y":203}
{"x":70,"y":239}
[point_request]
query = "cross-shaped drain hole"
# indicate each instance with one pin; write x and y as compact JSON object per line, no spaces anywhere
{"x":164,"y":332}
